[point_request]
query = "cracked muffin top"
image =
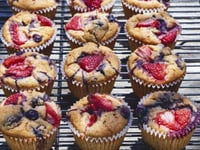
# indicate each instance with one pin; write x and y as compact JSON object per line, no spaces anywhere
{"x":27,"y":70}
{"x":29,"y":115}
{"x":156,"y":64}
{"x":91,"y":64}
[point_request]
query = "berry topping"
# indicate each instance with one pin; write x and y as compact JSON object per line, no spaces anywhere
{"x":18,"y":37}
{"x":90,"y":62}
{"x":37,"y":38}
{"x":52,"y":116}
{"x":175,"y":119}
{"x":14,"y":99}
{"x":74,"y":24}
{"x":100,"y":103}
{"x":149,"y":23}
{"x":12,"y":60}
{"x":93,"y":4}
{"x":44,"y":21}
{"x":157,"y":70}
{"x":92,"y":120}
{"x":125,"y":112}
{"x":32,"y":114}
{"x":144,"y":52}
{"x":169,"y":37}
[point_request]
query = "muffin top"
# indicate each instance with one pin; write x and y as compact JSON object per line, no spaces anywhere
{"x":167,"y":113}
{"x":27,"y":30}
{"x":153,"y":28}
{"x":27,"y":70}
{"x":91,"y":63}
{"x":156,"y":64}
{"x":29,"y":115}
{"x":99,"y":115}
{"x":92,"y":26}
{"x":32,"y":5}
{"x":89,"y":5}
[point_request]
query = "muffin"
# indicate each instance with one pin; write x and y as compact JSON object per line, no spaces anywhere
{"x":152,"y":28}
{"x":28,"y":32}
{"x":27,"y":71}
{"x":99,"y":121}
{"x":91,"y":68}
{"x":41,"y":7}
{"x":29,"y":121}
{"x":98,"y":27}
{"x":167,"y":120}
{"x":80,"y":6}
{"x":155,"y":67}
{"x":134,"y":7}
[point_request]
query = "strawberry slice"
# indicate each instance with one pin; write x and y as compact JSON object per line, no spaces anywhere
{"x":13,"y":60}
{"x":90,"y":62}
{"x":52,"y":116}
{"x":44,"y":21}
{"x":169,"y":37}
{"x":174,"y":120}
{"x":14,"y":99}
{"x":149,"y":23}
{"x":18,"y":37}
{"x":92,"y":120}
{"x":93,"y":4}
{"x":144,"y":52}
{"x":74,"y":24}
{"x":100,"y":102}
{"x":19,"y":71}
{"x":157,"y":70}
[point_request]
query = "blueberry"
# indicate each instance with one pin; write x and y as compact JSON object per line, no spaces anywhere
{"x":99,"y":23}
{"x":38,"y":132}
{"x":37,"y":38}
{"x":111,"y":18}
{"x":13,"y":119}
{"x":163,"y":26}
{"x":125,"y":112}
{"x":32,"y":114}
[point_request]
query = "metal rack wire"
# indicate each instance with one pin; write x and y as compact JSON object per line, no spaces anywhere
{"x":188,"y":46}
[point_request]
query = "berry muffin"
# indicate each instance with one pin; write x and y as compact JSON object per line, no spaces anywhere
{"x":28,"y":32}
{"x":152,"y":28}
{"x":29,"y":121}
{"x":167,"y":120}
{"x":41,"y":7}
{"x":91,"y":68}
{"x":134,"y":7}
{"x":27,"y":71}
{"x":80,"y":6}
{"x":99,"y":121}
{"x":101,"y":28}
{"x":155,"y":67}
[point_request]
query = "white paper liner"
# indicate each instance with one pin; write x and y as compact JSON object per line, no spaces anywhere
{"x":33,"y":49}
{"x":102,"y":43}
{"x":41,"y":11}
{"x":104,"y":139}
{"x":143,"y":10}
{"x":81,"y":9}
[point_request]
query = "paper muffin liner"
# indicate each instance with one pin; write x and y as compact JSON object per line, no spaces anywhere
{"x":48,"y":12}
{"x":130,"y":10}
{"x":45,"y":48}
{"x":107,"y":143}
{"x":20,"y":143}
{"x":74,"y":43}
{"x":77,"y":9}
{"x":176,"y":140}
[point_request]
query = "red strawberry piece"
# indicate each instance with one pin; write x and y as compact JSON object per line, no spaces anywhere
{"x":74,"y":24}
{"x":44,"y":21}
{"x":169,"y":37}
{"x":18,"y":36}
{"x":100,"y":102}
{"x":90,"y":62}
{"x":19,"y":70}
{"x":93,"y":4}
{"x":52,"y":116}
{"x":149,"y":23}
{"x":157,"y":70}
{"x":174,"y":120}
{"x":145,"y":52}
{"x":14,"y":99}
{"x":13,"y":60}
{"x":92,"y":120}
